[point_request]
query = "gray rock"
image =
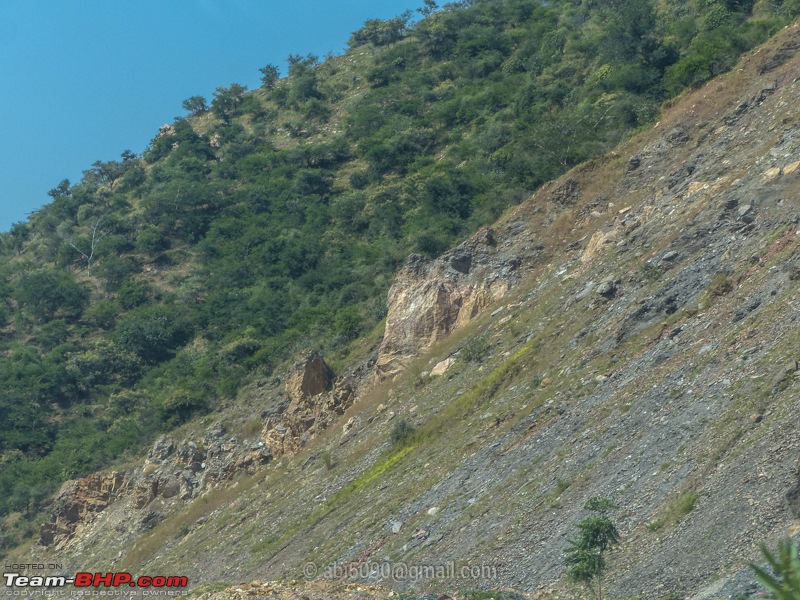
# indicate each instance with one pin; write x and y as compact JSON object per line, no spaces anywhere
{"x":170,"y":487}
{"x":585,"y":291}
{"x":669,"y":256}
{"x":634,"y":163}
{"x":461,"y":263}
{"x":163,"y":447}
{"x":607,"y":288}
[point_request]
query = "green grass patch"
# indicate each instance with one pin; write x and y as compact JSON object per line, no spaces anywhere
{"x":675,"y":511}
{"x":371,"y":474}
{"x":485,"y":388}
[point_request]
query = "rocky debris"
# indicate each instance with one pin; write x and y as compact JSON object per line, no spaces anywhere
{"x":429,"y":299}
{"x":677,"y":136}
{"x":161,"y":450}
{"x":745,"y":213}
{"x":584,"y":293}
{"x":78,"y":502}
{"x":791,"y":168}
{"x":669,"y":256}
{"x":316,"y":399}
{"x":166,"y":129}
{"x":793,"y":496}
{"x":751,"y":103}
{"x":172,"y":472}
{"x":567,"y":193}
{"x":295,"y":590}
{"x":779,"y":56}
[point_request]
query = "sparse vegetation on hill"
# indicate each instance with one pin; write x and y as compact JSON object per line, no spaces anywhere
{"x":156,"y":287}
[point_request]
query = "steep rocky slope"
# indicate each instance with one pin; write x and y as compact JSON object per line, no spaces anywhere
{"x":631,"y":331}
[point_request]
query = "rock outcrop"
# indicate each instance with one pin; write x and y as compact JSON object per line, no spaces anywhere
{"x":78,"y":502}
{"x":173,"y":473}
{"x":429,"y":299}
{"x":316,"y":399}
{"x":178,"y":471}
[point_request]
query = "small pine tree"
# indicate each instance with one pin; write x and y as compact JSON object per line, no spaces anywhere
{"x":784,"y":582}
{"x":585,"y":560}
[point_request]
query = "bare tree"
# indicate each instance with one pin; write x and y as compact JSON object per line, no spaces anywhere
{"x":89,"y":245}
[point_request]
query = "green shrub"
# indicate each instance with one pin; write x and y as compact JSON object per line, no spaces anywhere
{"x":475,"y":350}
{"x":649,"y":272}
{"x":720,"y":285}
{"x":102,"y":314}
{"x":153,"y":332}
{"x":402,"y":433}
{"x":327,"y":460}
{"x":151,"y":241}
{"x":133,"y":293}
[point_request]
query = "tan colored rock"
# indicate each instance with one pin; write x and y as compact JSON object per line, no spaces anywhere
{"x":309,"y":377}
{"x":772,"y":173}
{"x":78,"y":502}
{"x":143,"y":493}
{"x":789,"y":169}
{"x":697,"y":186}
{"x":253,"y":459}
{"x":429,"y":299}
{"x":442,"y":367}
{"x":598,"y":240}
{"x":316,"y":400}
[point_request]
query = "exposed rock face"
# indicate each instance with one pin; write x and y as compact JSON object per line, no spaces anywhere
{"x":172,"y":473}
{"x":177,"y":471}
{"x":316,"y":399}
{"x":78,"y":502}
{"x":429,"y":299}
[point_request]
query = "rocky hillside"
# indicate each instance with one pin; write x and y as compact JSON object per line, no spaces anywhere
{"x":631,"y":331}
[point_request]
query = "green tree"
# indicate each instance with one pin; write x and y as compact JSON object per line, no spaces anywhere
{"x":151,"y":240}
{"x":269,"y":76}
{"x":585,"y":559}
{"x":227,"y":101}
{"x":133,"y":293}
{"x":45,"y":293}
{"x":153,"y":332}
{"x":784,"y":582}
{"x":430,"y":7}
{"x":381,"y":33}
{"x":61,"y":190}
{"x":196,"y":105}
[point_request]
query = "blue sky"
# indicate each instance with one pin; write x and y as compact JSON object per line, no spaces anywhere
{"x":84,"y":80}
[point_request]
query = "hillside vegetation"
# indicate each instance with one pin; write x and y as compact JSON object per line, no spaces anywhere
{"x":272,"y":220}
